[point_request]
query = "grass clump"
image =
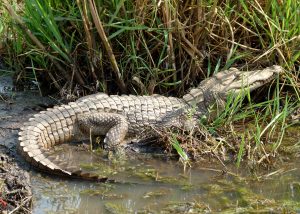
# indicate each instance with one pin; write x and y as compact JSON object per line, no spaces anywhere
{"x":252,"y":135}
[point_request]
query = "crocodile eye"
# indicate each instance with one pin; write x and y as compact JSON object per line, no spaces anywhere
{"x":238,"y":76}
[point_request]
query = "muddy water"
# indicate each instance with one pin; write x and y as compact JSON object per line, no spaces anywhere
{"x":146,"y":184}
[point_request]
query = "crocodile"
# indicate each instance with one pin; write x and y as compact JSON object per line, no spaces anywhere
{"x":117,"y":117}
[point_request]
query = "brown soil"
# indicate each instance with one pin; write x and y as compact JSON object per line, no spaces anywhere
{"x":15,"y":186}
{"x":15,"y":109}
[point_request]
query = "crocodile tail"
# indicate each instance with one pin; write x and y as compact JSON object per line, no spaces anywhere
{"x":45,"y":130}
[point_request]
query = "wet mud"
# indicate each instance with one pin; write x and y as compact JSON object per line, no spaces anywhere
{"x":15,"y":109}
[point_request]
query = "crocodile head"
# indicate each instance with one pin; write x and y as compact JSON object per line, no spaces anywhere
{"x":232,"y":81}
{"x":235,"y":81}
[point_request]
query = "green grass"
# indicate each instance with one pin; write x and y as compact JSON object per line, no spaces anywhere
{"x":183,"y":155}
{"x":162,"y":48}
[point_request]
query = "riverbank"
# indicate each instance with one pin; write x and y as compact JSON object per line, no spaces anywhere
{"x":15,"y":187}
{"x":15,"y":109}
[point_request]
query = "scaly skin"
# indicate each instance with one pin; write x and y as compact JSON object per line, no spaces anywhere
{"x":118,"y":117}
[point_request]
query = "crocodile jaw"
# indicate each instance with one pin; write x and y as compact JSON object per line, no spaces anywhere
{"x":232,"y":81}
{"x":235,"y":81}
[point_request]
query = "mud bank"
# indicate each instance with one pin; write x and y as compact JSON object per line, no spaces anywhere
{"x":15,"y":109}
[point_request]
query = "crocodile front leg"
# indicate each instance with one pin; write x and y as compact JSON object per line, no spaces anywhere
{"x":113,"y":126}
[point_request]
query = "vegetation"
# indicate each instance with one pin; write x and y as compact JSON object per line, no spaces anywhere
{"x":165,"y":47}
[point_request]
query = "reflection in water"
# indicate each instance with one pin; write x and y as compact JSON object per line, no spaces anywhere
{"x":152,"y":184}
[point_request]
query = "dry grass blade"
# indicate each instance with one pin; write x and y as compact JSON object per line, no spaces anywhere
{"x":107,"y":46}
{"x":188,"y":43}
{"x":21,"y":206}
{"x":87,"y":26}
{"x":168,"y":21}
